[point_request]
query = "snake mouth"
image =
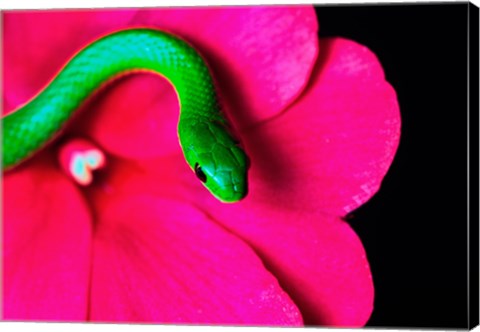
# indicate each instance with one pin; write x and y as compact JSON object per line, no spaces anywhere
{"x":240,"y":194}
{"x":233,"y":193}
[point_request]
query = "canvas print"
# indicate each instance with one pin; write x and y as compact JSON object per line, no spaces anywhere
{"x":226,"y":165}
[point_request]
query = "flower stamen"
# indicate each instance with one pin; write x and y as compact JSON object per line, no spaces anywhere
{"x":79,"y":158}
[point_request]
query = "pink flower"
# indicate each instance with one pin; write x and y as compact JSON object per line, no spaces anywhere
{"x":145,"y":241}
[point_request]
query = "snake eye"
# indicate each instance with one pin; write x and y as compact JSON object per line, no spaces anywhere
{"x":199,"y":173}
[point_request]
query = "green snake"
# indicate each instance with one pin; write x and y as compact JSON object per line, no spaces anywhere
{"x":204,"y":133}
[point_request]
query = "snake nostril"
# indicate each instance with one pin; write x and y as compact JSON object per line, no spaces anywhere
{"x":199,"y":173}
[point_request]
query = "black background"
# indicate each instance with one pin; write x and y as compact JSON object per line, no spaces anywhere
{"x":415,"y":228}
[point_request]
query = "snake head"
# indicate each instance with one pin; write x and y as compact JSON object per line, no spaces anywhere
{"x":216,"y":158}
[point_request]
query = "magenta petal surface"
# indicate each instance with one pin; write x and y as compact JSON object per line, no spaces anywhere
{"x":332,"y":148}
{"x":163,"y":261}
{"x":328,"y":275}
{"x":46,"y":248}
{"x":318,"y":260}
{"x":136,"y":119}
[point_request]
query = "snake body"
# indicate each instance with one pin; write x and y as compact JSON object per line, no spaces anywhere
{"x":206,"y":141}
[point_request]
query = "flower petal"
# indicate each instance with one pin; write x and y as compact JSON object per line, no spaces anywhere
{"x":161,"y":261}
{"x":332,"y":148}
{"x":136,"y":118}
{"x":318,"y":259}
{"x":47,"y":234}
